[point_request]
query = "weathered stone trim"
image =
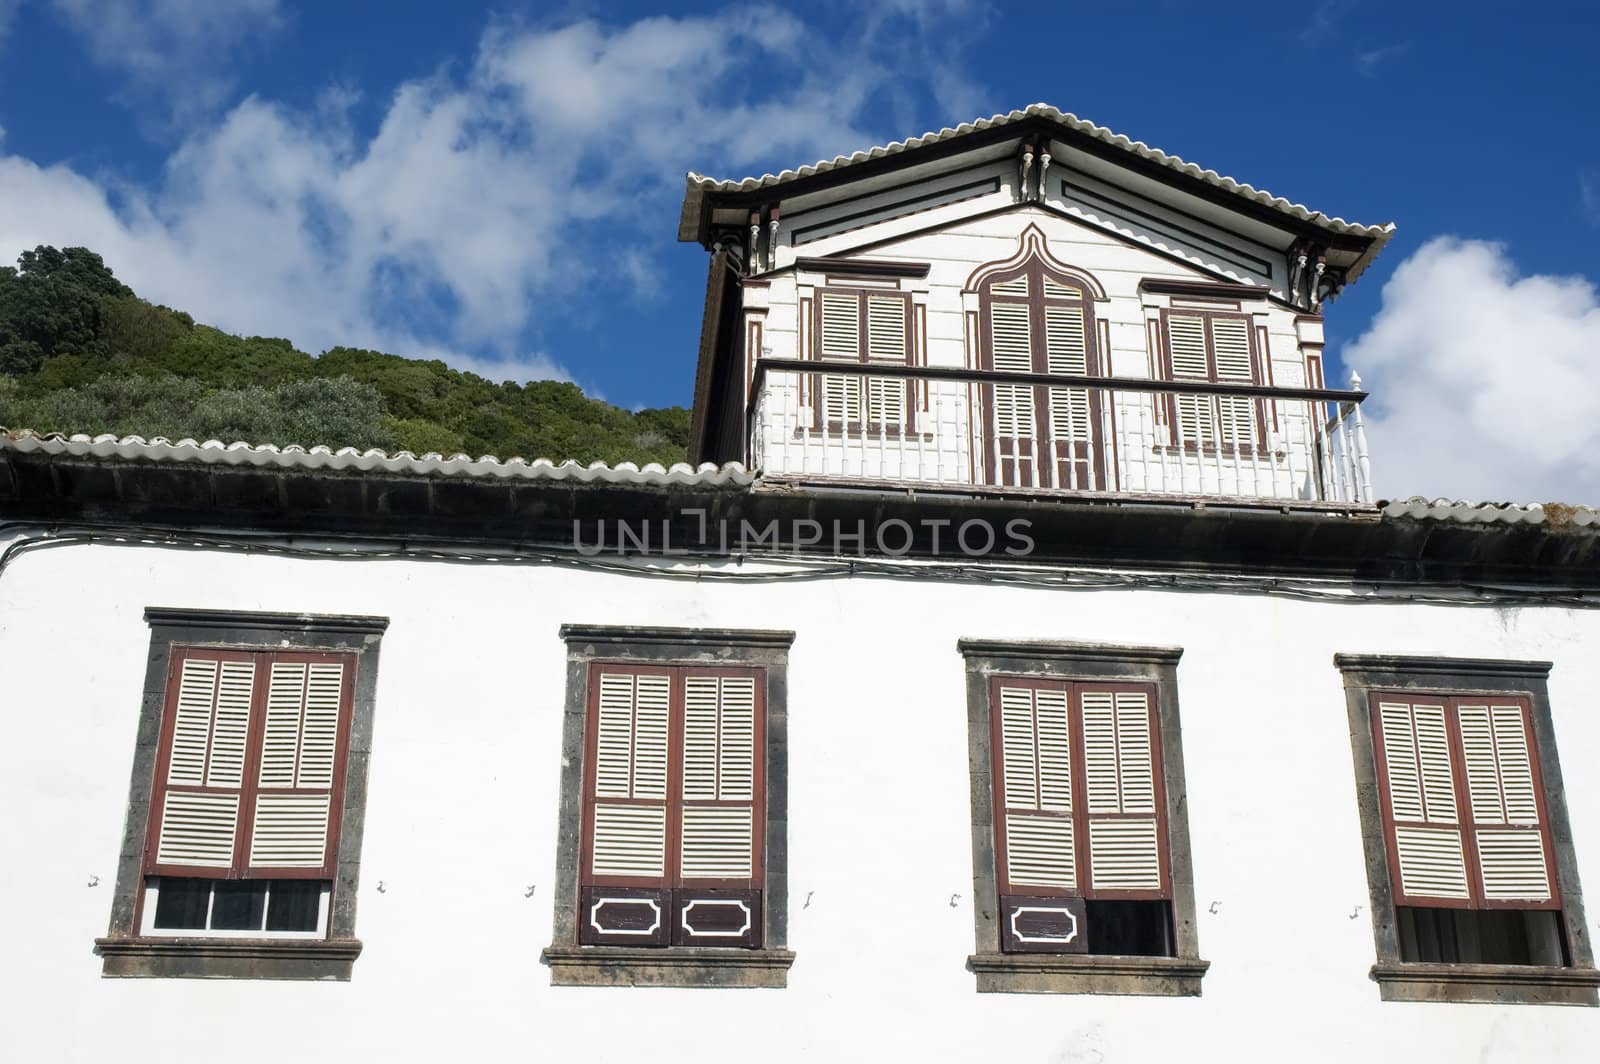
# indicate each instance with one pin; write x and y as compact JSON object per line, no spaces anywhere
{"x":1068,"y":973}
{"x":621,"y":966}
{"x":1064,"y":974}
{"x":1054,"y":650}
{"x":634,"y":635}
{"x":1413,"y":981}
{"x":188,"y":958}
{"x":1510,"y":984}
{"x":680,"y":967}
{"x":170,"y":627}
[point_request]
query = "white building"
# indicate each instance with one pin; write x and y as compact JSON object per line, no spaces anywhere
{"x":861,"y":740}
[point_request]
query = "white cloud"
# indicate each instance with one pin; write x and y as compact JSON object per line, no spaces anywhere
{"x":174,"y":54}
{"x":1367,"y":62}
{"x":8,"y":8}
{"x":1588,"y":192}
{"x":1483,"y":381}
{"x":480,"y":198}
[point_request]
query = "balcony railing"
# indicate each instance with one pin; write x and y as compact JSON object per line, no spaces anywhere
{"x":916,"y":425}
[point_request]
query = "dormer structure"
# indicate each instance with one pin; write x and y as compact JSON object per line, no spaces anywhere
{"x":1026,"y":303}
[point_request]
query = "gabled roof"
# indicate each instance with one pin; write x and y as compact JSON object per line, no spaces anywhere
{"x":695,"y":219}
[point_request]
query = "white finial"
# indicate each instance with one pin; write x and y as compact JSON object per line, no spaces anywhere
{"x":1355,"y":381}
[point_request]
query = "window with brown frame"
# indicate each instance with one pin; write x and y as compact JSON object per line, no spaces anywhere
{"x":1470,"y":862}
{"x":1080,"y":826}
{"x":243,"y":830}
{"x":672,"y":840}
{"x":1217,"y":347}
{"x":247,"y":798}
{"x":673,"y":807}
{"x":1466,"y":829}
{"x":863,"y":325}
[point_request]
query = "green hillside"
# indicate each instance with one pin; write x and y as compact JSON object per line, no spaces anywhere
{"x":80,"y":352}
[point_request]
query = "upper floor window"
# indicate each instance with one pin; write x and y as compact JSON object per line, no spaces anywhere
{"x":1216,"y":347}
{"x":1035,"y":319}
{"x":867,"y":326}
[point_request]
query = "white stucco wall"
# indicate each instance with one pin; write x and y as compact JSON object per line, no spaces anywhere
{"x":461,"y":822}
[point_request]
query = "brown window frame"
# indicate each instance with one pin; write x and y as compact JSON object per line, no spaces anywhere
{"x":672,"y":889}
{"x":1094,"y":457}
{"x":1169,"y":403}
{"x":1097,"y":666}
{"x":909,"y":388}
{"x":1370,"y":676}
{"x":575,"y":962}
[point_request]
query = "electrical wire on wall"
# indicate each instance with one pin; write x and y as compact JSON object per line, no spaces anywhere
{"x":768,"y":567}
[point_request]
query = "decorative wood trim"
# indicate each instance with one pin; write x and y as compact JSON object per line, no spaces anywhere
{"x":628,"y":635}
{"x":1079,"y":973}
{"x":198,"y":958}
{"x":1203,"y":289}
{"x":1055,"y":650}
{"x":677,"y":967}
{"x":1033,"y":244}
{"x":837,"y":267}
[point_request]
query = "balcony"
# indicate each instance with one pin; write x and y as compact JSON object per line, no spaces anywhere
{"x":947,"y":428}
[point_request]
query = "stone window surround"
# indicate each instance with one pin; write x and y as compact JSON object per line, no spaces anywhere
{"x":574,"y":965}
{"x":1500,"y":983}
{"x":125,"y":953}
{"x":1044,"y":973}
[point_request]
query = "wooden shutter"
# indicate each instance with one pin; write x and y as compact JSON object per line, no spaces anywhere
{"x":674,"y":807}
{"x":1120,"y":781}
{"x":717,"y":897}
{"x":1235,"y":364}
{"x":1011,"y":347}
{"x":1186,"y":350}
{"x":1035,"y":787}
{"x":888,"y":333}
{"x":839,"y":339}
{"x":1463,"y":815}
{"x":1067,"y":351}
{"x":249,"y":779}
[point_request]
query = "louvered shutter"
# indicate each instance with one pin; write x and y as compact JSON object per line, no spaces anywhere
{"x":839,"y":340}
{"x":1509,"y":835}
{"x":1230,"y":341}
{"x":717,"y":900}
{"x":1419,"y":790}
{"x":250,"y":778}
{"x":207,"y":741}
{"x":1011,"y":349}
{"x":1186,"y":346}
{"x":293,"y":808}
{"x":1067,"y":351}
{"x":887,"y":335}
{"x":1122,"y":792}
{"x":1036,"y":787}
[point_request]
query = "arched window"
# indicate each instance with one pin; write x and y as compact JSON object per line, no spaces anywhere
{"x":1039,"y":319}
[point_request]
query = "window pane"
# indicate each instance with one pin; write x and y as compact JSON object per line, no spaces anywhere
{"x":181,"y":903}
{"x":293,"y":904}
{"x":238,"y":906}
{"x":1129,"y":928}
{"x":1481,"y":936}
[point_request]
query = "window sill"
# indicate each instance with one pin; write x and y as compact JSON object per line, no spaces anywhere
{"x":629,"y":966}
{"x":219,"y":958}
{"x":1078,"y":973}
{"x":1494,"y":983}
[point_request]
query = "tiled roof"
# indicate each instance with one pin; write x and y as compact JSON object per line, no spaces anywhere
{"x":1462,"y":511}
{"x":214,"y":452}
{"x":1042,"y":110}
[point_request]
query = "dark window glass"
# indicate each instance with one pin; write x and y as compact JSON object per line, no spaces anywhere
{"x":1481,"y":936}
{"x":181,"y":904}
{"x":238,"y":906}
{"x":1129,"y":928}
{"x":293,"y":904}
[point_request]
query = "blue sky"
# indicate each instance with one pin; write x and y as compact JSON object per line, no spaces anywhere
{"x":498,"y":185}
